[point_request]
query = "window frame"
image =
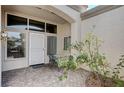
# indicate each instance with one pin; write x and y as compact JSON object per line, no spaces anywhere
{"x":6,"y":21}
{"x":25,"y":47}
{"x":28,"y":18}
{"x":53,"y":25}
{"x":39,"y":22}
{"x":67,"y":42}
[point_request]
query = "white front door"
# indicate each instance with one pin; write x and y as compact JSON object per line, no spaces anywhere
{"x":36,"y":48}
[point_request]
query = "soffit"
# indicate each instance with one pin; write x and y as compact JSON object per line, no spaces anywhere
{"x":36,"y":12}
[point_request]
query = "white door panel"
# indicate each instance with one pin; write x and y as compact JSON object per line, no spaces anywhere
{"x":36,"y":49}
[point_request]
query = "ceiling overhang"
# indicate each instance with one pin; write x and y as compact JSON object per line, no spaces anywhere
{"x":79,"y":8}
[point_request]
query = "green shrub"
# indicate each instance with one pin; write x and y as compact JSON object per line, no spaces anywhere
{"x":90,"y":55}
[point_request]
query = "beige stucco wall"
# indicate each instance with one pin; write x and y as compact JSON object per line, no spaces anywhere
{"x":73,"y":17}
{"x":64,"y":30}
{"x":109,"y":27}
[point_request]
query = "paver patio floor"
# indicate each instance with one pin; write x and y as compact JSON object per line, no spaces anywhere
{"x":44,"y":76}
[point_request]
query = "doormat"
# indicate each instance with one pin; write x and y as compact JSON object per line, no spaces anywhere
{"x":37,"y":66}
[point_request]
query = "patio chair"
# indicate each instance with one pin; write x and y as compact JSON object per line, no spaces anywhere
{"x":53,"y":60}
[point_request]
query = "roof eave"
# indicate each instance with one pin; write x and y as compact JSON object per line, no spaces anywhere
{"x":98,"y":10}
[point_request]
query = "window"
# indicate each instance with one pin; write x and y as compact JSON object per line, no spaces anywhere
{"x":16,"y":22}
{"x":50,"y":28}
{"x":51,"y":45}
{"x":67,"y":42}
{"x":36,"y":26}
{"x":15,"y":45}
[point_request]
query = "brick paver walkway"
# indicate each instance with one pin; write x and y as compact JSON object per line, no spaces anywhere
{"x":42,"y":77}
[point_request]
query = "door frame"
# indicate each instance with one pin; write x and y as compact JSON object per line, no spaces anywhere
{"x":30,"y":31}
{"x":42,"y":33}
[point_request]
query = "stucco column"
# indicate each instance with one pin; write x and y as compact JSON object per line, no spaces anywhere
{"x":0,"y":46}
{"x":75,"y":34}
